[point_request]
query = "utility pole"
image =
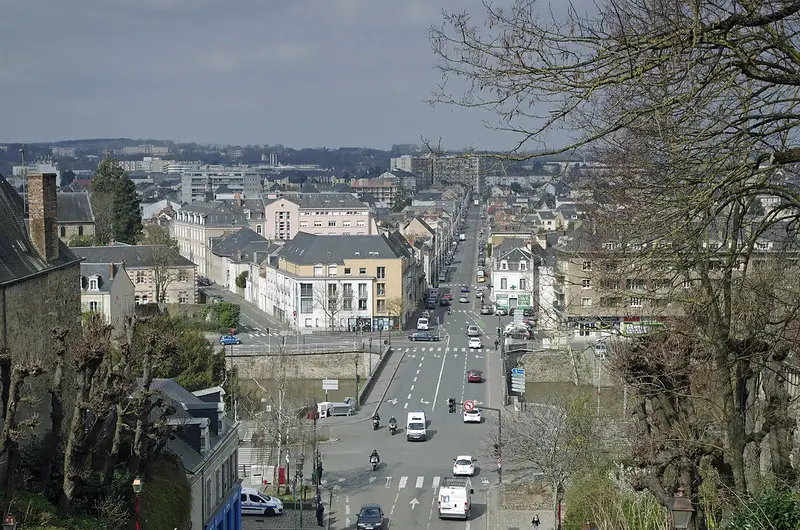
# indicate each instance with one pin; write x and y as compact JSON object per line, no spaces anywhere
{"x":355,"y":358}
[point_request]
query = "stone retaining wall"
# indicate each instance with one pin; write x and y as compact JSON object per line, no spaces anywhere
{"x":555,"y":366}
{"x":308,"y":365}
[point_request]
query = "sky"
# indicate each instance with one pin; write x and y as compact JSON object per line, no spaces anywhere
{"x":301,"y":73}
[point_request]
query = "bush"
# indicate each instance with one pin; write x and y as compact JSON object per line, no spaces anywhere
{"x":773,"y":509}
{"x":224,"y":314}
{"x":241,"y":280}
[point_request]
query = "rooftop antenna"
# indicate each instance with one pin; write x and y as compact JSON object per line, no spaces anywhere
{"x":24,"y":182}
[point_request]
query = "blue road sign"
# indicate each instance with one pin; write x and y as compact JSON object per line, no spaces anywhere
{"x":518,"y":371}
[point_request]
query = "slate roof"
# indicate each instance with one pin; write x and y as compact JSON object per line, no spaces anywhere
{"x":506,"y":247}
{"x":310,"y":249}
{"x":132,"y":256}
{"x":74,"y":207}
{"x":103,"y":273}
{"x":322,"y":200}
{"x":241,"y":245}
{"x":18,"y":256}
{"x":224,"y":213}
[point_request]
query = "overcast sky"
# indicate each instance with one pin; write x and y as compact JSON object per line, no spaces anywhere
{"x":302,"y":73}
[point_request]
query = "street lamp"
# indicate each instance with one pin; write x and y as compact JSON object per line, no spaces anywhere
{"x":9,"y":523}
{"x":298,"y":465}
{"x":137,"y":489}
{"x":682,"y":511}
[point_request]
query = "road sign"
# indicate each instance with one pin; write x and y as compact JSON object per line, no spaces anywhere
{"x":499,"y":462}
{"x":330,"y":384}
{"x":518,"y":371}
{"x":469,"y":405}
{"x":517,"y":380}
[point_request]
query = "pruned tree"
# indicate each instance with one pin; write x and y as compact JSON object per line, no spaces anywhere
{"x":398,"y":307}
{"x":333,"y":298}
{"x":163,"y":249}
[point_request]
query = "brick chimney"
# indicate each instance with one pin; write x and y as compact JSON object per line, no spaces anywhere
{"x":42,"y":214}
{"x":238,"y":197}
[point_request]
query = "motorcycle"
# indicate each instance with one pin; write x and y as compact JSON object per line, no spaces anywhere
{"x":393,"y":428}
{"x":375,"y":425}
{"x":374,"y":462}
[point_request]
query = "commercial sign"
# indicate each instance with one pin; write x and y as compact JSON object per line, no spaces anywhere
{"x":502,"y":301}
{"x":523,"y":300}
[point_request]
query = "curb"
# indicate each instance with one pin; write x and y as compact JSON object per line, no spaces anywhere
{"x":386,"y":390}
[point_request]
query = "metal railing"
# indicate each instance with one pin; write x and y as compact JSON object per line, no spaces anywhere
{"x":257,"y":350}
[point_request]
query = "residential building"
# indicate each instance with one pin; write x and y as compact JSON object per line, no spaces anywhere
{"x":466,"y":169}
{"x":75,"y":215}
{"x":232,"y":255}
{"x":514,"y":276}
{"x":383,"y":190}
{"x":206,"y":442}
{"x":145,"y":149}
{"x":160,"y":212}
{"x":43,"y":167}
{"x":332,"y":214}
{"x":38,"y":272}
{"x":345,"y":282}
{"x":197,"y":223}
{"x":107,"y":289}
{"x":150,"y":268}
{"x":408,"y":180}
{"x":238,"y":179}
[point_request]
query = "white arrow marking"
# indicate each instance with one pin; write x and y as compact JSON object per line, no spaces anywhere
{"x":413,"y":356}
{"x":372,"y":479}
{"x":388,"y":481}
{"x":484,"y":480}
{"x":479,"y":356}
{"x":437,"y":356}
{"x":413,"y":502}
{"x":424,"y":402}
{"x":392,"y":401}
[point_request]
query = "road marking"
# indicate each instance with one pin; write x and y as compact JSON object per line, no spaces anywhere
{"x":415,"y":379}
{"x":438,"y":349}
{"x":347,"y":522}
{"x":393,"y":401}
{"x":347,"y":509}
{"x":436,"y":482}
{"x":439,"y":382}
{"x":484,"y":480}
{"x":388,"y":481}
{"x":403,"y":481}
{"x":418,"y":372}
{"x":372,"y":479}
{"x":420,"y":482}
{"x":425,"y":402}
{"x":420,"y":365}
{"x":412,"y":386}
{"x":467,"y":527}
{"x":413,"y":502}
{"x":396,"y":497}
{"x":409,"y":396}
{"x":405,"y":406}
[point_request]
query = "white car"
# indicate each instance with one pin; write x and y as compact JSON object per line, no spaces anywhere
{"x":464,"y":466}
{"x":475,"y":342}
{"x":472,"y":416}
{"x":473,"y":331}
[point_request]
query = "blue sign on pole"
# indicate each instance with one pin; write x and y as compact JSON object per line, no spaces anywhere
{"x":518,"y":371}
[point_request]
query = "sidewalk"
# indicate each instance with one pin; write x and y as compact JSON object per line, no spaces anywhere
{"x":499,"y":519}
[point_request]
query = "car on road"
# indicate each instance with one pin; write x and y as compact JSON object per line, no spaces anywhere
{"x":370,"y":517}
{"x":473,"y":331}
{"x":426,"y":314}
{"x":227,"y":340}
{"x":501,"y":311}
{"x":430,"y":304}
{"x":464,"y":289}
{"x":486,"y":310}
{"x":464,"y":466}
{"x":444,"y":302}
{"x":474,"y":376}
{"x":475,"y":343}
{"x":448,"y":296}
{"x":472,"y":416}
{"x":423,"y":336}
{"x":463,"y":300}
{"x":256,"y":503}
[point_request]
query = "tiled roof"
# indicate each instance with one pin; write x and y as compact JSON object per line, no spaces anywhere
{"x":132,"y":256}
{"x":225,"y":212}
{"x":74,"y":207}
{"x":241,"y":245}
{"x":322,"y":200}
{"x":310,"y":249}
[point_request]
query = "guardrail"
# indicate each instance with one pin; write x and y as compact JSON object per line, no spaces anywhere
{"x":240,"y":350}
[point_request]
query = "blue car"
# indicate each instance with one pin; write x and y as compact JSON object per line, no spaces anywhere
{"x":464,"y":289}
{"x":227,"y":340}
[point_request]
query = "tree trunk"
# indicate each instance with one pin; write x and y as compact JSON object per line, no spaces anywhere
{"x":72,"y":464}
{"x":9,"y":440}
{"x":50,"y":442}
{"x":142,"y":411}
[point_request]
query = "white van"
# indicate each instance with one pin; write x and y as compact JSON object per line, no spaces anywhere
{"x":455,"y":498}
{"x":422,"y":324}
{"x":256,"y":503}
{"x":416,"y":426}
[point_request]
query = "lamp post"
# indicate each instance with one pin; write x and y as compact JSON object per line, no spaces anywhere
{"x":298,"y":465}
{"x":682,"y":511}
{"x":137,"y":489}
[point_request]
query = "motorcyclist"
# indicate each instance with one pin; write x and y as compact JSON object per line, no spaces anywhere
{"x":376,"y":417}
{"x":392,"y":422}
{"x":374,"y":457}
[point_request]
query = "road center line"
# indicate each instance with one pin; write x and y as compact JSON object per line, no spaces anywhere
{"x":417,"y":372}
{"x":412,"y":386}
{"x":409,"y":396}
{"x":439,"y":382}
{"x":415,"y":379}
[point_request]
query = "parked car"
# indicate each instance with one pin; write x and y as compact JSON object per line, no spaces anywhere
{"x":527,"y":312}
{"x":473,"y":331}
{"x":474,"y":376}
{"x":227,"y":340}
{"x":501,"y":311}
{"x":486,"y":310}
{"x":426,"y":336}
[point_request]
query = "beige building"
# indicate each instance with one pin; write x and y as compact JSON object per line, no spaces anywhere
{"x":107,"y":289}
{"x":75,"y":215}
{"x":347,"y":282}
{"x":331,"y":214}
{"x":383,"y":189}
{"x":150,"y":268}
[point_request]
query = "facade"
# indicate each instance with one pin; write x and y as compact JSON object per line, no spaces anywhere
{"x":196,"y":224}
{"x":206,"y":442}
{"x":107,"y":289}
{"x":384,"y":190}
{"x":75,"y":215}
{"x":240,"y":180}
{"x":233,"y":253}
{"x":408,"y":180}
{"x":467,"y":169}
{"x":347,"y":282}
{"x":332,"y":214}
{"x":514,"y":277}
{"x":149,"y":266}
{"x":38,"y":272}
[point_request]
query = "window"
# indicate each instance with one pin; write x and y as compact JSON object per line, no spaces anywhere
{"x":136,"y":300}
{"x":317,"y":270}
{"x":362,"y":296}
{"x":586,"y":283}
{"x":80,"y":230}
{"x":523,"y":284}
{"x":635,"y":284}
{"x":306,"y":298}
{"x":259,"y":229}
{"x":610,"y":246}
{"x":219,"y":484}
{"x":361,"y":223}
{"x":93,"y":307}
{"x":182,"y":276}
{"x":317,"y":223}
{"x":332,"y":297}
{"x":586,"y":266}
{"x":93,"y":284}
{"x":347,"y":297}
{"x":63,"y":231}
{"x":381,"y":306}
{"x":687,"y":284}
{"x":381,"y":272}
{"x":380,"y":289}
{"x":504,"y":283}
{"x":183,"y":297}
{"x":523,"y":265}
{"x":331,"y":270}
{"x":209,"y":506}
{"x":140,"y":277}
{"x":586,"y":302}
{"x":303,"y":224}
{"x":636,"y":302}
{"x":331,"y":224}
{"x":362,"y":270}
{"x":145,"y":299}
{"x":347,"y":271}
{"x":503,"y":265}
{"x":346,"y":223}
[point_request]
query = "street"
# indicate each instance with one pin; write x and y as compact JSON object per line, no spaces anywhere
{"x":406,"y":482}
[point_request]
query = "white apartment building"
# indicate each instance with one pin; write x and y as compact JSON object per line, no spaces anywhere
{"x":241,"y":180}
{"x":514,"y":275}
{"x":323,"y":214}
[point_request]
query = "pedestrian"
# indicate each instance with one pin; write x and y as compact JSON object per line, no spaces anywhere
{"x":535,"y":521}
{"x":320,"y":513}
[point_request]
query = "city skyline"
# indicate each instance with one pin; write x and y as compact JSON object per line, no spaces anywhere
{"x":301,"y":74}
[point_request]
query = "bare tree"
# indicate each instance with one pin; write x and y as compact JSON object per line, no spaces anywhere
{"x":334,"y":298}
{"x":163,"y":249}
{"x":398,"y":307}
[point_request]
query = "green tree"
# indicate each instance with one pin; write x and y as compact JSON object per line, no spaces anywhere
{"x":116,"y":207}
{"x":81,"y":241}
{"x":241,"y":280}
{"x":67,"y":176}
{"x":225,"y":314}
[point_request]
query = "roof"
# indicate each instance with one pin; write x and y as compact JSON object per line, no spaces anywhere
{"x":224,"y":212}
{"x":18,"y":256}
{"x":310,"y":249}
{"x":74,"y":207}
{"x":322,"y":200}
{"x":131,"y":256}
{"x":242,"y":244}
{"x":102,"y":271}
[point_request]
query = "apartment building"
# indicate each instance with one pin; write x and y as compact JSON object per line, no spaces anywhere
{"x":467,"y":169}
{"x":331,"y":214}
{"x":341,"y":283}
{"x":107,"y":289}
{"x":514,"y":277}
{"x":384,"y":190}
{"x":197,"y":223}
{"x":241,"y":180}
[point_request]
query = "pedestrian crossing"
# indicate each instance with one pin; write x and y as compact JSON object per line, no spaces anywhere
{"x":434,"y":349}
{"x":404,"y":482}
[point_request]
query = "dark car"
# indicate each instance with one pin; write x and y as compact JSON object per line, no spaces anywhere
{"x":430,"y":304}
{"x":426,"y":336}
{"x":370,"y":516}
{"x":486,"y":310}
{"x":474,"y":376}
{"x":444,"y":302}
{"x":464,"y":289}
{"x":527,"y":312}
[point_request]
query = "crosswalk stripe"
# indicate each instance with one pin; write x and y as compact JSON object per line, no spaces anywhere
{"x":436,"y":482}
{"x":420,"y":482}
{"x":403,"y":481}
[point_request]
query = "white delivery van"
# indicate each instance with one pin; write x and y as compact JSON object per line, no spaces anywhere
{"x":455,"y":498}
{"x":416,"y":426}
{"x":422,"y":324}
{"x":256,"y":503}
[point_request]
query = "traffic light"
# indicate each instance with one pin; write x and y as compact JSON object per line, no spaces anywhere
{"x":451,"y":405}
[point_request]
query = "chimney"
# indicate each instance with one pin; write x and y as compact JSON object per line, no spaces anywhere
{"x":110,"y":271}
{"x":42,"y":214}
{"x":238,"y":197}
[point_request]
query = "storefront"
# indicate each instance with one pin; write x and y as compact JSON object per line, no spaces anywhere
{"x":359,"y":324}
{"x":502,"y":302}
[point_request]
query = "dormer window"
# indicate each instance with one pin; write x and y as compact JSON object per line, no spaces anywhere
{"x":93,"y":283}
{"x":523,"y":266}
{"x":503,"y":265}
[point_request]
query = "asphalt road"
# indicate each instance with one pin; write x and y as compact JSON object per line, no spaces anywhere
{"x":406,"y":482}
